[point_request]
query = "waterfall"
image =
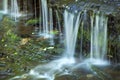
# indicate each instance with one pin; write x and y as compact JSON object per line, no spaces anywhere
{"x":98,"y":48}
{"x":59,"y":26}
{"x":58,"y":22}
{"x":73,"y":21}
{"x":40,"y":17}
{"x":14,"y":11}
{"x":4,"y":6}
{"x":71,"y":24}
{"x":35,"y":6}
{"x":51,"y":26}
{"x":44,"y":18}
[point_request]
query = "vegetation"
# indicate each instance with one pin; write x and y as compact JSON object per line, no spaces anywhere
{"x":32,"y":22}
{"x":18,"y":54}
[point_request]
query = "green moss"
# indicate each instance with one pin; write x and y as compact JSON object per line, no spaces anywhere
{"x":32,"y":21}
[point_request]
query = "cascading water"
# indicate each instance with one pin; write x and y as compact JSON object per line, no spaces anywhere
{"x":4,"y":7}
{"x":44,"y":15}
{"x":98,"y":41}
{"x":71,"y":23}
{"x":58,"y":22}
{"x":51,"y":26}
{"x":14,"y":10}
{"x":35,"y":6}
{"x":98,"y":48}
{"x":59,"y":26}
{"x":40,"y":17}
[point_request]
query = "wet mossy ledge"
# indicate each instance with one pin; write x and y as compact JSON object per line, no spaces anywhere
{"x":106,"y":6}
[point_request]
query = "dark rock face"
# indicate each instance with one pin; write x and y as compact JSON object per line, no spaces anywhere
{"x":102,"y":5}
{"x":113,"y":38}
{"x":66,"y":77}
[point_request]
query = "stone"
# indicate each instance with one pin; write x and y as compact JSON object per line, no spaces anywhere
{"x":89,"y":75}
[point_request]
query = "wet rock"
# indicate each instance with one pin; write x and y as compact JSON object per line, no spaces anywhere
{"x":4,"y":74}
{"x":9,"y":70}
{"x":89,"y":75}
{"x":89,"y":78}
{"x":66,"y":77}
{"x":2,"y":65}
{"x":117,"y":67}
{"x":106,"y":6}
{"x":2,"y":54}
{"x":25,"y":31}
{"x":101,"y":74}
{"x":1,"y":16}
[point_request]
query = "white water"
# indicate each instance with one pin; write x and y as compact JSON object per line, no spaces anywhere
{"x":46,"y":16}
{"x":71,"y":24}
{"x":51,"y":26}
{"x":40,"y":17}
{"x":4,"y":7}
{"x":58,"y":22}
{"x":59,"y":27}
{"x":98,"y":48}
{"x":45,"y":30}
{"x":35,"y":5}
{"x":14,"y":10}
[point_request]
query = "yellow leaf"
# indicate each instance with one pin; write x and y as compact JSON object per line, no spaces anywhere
{"x":24,"y":41}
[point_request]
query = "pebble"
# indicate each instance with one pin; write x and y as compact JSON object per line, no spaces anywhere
{"x":89,"y":75}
